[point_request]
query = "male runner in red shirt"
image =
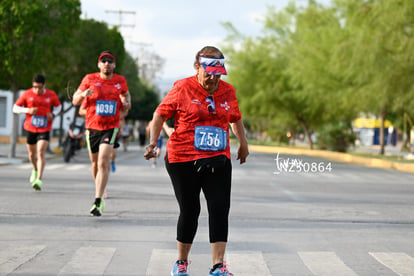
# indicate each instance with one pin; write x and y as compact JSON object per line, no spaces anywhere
{"x":36,"y":103}
{"x":104,"y":95}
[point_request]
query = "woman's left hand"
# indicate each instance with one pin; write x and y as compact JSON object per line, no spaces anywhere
{"x":242,"y":153}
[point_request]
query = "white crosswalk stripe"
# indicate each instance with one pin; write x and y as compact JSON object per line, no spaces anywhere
{"x":77,"y":167}
{"x":325,"y":263}
{"x":256,"y":264}
{"x":161,"y":262}
{"x":88,"y":261}
{"x":240,"y":263}
{"x":54,"y":166}
{"x":25,"y":166}
{"x":12,"y":258}
{"x":94,"y":260}
{"x":399,"y":262}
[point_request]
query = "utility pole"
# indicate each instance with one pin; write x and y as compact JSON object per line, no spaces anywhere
{"x":148,"y":62}
{"x":121,"y":13}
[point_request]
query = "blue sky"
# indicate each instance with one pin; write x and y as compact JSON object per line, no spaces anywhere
{"x":176,"y":30}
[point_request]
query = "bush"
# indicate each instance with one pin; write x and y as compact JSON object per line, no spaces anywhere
{"x":278,"y":136}
{"x":335,"y":138}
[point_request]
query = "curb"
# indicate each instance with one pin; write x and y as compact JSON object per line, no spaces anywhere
{"x":22,"y":157}
{"x":338,"y":156}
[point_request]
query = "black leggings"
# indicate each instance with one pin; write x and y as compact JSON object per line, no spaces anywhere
{"x":216,"y":187}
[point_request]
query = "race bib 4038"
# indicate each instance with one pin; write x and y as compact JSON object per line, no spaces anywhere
{"x":106,"y":108}
{"x":209,"y":138}
{"x":39,"y":121}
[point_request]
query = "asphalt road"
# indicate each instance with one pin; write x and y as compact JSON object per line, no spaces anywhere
{"x":290,"y":215}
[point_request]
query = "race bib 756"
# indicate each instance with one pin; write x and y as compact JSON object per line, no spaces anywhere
{"x":209,"y":138}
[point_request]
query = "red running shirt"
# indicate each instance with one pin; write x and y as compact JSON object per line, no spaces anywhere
{"x":38,"y":123}
{"x":103,"y":106}
{"x":187,"y":102}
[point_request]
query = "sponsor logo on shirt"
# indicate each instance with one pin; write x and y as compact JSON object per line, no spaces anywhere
{"x":225,"y":105}
{"x":98,"y":84}
{"x":118,"y":86}
{"x":195,"y":101}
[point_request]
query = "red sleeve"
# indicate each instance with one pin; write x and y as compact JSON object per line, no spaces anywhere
{"x":169,"y":104}
{"x":84,"y":103}
{"x":21,"y":101}
{"x":235,"y":113}
{"x":124,"y":86}
{"x":55,"y":99}
{"x":85,"y":84}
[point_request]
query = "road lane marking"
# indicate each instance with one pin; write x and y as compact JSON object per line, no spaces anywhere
{"x":292,"y":195}
{"x":95,"y":260}
{"x":54,"y":166}
{"x":324,"y":263}
{"x":25,"y":166}
{"x":399,"y":262}
{"x":76,"y":167}
{"x":239,"y":263}
{"x":12,"y":258}
{"x":247,"y":264}
{"x":161,"y":262}
{"x":89,"y":261}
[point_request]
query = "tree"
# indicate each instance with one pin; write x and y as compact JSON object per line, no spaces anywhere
{"x":315,"y":66}
{"x":379,"y":57}
{"x":34,"y":34}
{"x":321,"y":66}
{"x":144,"y":98}
{"x":87,"y":42}
{"x":263,"y":81}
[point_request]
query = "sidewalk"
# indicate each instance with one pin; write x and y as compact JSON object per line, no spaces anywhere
{"x":21,"y":153}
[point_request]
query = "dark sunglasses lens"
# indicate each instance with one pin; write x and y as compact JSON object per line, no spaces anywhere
{"x":107,"y":60}
{"x":211,"y":107}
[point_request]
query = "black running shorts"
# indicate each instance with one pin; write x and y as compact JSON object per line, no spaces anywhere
{"x":33,"y":137}
{"x":96,"y":137}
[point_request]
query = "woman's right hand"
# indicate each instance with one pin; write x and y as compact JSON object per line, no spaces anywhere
{"x":150,"y":151}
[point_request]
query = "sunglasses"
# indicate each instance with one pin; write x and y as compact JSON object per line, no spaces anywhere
{"x":104,"y":60}
{"x":211,"y":107}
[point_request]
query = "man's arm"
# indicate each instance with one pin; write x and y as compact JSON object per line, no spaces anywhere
{"x":82,"y":111}
{"x":55,"y":111}
{"x":21,"y":109}
{"x":126,"y":100}
{"x":80,"y":95}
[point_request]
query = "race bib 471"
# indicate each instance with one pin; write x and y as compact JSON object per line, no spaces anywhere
{"x":39,"y":121}
{"x":209,"y":138}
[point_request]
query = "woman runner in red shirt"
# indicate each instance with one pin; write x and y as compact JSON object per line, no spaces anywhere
{"x":198,"y":153}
